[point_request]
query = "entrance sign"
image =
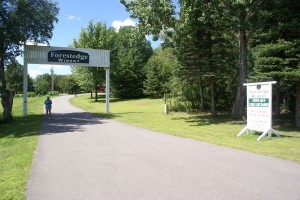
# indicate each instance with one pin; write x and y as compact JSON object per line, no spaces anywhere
{"x":65,"y":56}
{"x":259,"y":108}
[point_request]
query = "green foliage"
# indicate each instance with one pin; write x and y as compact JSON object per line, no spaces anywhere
{"x":22,"y":20}
{"x":68,"y":84}
{"x":95,"y":36}
{"x":31,"y":94}
{"x":53,"y":93}
{"x":154,"y":16}
{"x":132,"y":52}
{"x":25,"y":20}
{"x":277,"y":61}
{"x":14,"y":78}
{"x":159,"y":72}
{"x":43,"y":84}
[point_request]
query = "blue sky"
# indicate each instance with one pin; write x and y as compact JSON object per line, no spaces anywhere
{"x":75,"y":15}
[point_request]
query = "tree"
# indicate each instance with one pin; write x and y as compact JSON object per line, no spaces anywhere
{"x":275,"y":51}
{"x":133,"y":51}
{"x":14,"y":76}
{"x":43,"y":84}
{"x":200,"y":23}
{"x":21,"y":20}
{"x":155,"y":17}
{"x":95,"y":36}
{"x":159,"y":72}
{"x":242,"y":20}
{"x":279,"y":62}
{"x":68,"y":84}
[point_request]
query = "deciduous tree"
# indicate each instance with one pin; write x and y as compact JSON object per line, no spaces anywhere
{"x":21,"y":20}
{"x":94,"y":36}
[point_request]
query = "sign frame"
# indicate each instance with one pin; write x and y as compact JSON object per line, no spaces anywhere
{"x":35,"y":54}
{"x":259,"y":109}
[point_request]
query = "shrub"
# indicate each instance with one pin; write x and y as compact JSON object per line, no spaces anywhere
{"x":30,"y":94}
{"x":53,"y":93}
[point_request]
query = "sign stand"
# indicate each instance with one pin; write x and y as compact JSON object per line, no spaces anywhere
{"x":259,"y":109}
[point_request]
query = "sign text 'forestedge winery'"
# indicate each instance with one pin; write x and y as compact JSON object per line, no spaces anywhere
{"x":68,"y":56}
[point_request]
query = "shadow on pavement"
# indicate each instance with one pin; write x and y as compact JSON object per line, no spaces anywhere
{"x":67,"y":122}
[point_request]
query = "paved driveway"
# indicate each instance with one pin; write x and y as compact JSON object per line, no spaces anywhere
{"x":82,"y":157}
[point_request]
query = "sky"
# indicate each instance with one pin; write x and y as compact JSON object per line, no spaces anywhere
{"x":75,"y":15}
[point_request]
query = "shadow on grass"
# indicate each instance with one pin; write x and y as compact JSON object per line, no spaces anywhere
{"x":286,"y":123}
{"x":257,"y":133}
{"x":207,"y":119}
{"x":102,"y":99}
{"x":114,"y":115}
{"x":21,"y":127}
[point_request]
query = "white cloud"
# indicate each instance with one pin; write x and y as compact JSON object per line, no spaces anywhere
{"x":127,"y":22}
{"x":72,"y":17}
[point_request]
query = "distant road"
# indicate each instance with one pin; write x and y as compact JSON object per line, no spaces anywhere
{"x":83,"y":157}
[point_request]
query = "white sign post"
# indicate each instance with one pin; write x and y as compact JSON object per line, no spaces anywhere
{"x":259,"y":109}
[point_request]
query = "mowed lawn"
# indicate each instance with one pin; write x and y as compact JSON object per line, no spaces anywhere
{"x":221,"y":130}
{"x":18,"y":141}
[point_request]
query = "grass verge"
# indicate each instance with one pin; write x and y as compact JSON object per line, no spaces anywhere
{"x":18,"y":141}
{"x":220,"y":130}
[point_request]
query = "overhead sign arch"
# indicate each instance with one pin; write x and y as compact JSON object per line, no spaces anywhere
{"x":34,"y":54}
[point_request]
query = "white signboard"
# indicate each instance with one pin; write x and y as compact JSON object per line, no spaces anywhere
{"x":259,"y":108}
{"x":66,"y":56}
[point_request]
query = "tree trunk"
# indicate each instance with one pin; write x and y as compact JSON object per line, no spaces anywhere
{"x":297,"y":116}
{"x":237,"y":110}
{"x":277,"y":101}
{"x":201,"y":96}
{"x":91,"y":94}
{"x":212,"y":96}
{"x":96,"y":94}
{"x":7,"y":96}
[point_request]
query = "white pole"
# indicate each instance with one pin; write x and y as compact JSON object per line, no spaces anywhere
{"x":52,"y":79}
{"x":25,"y":85}
{"x":270,"y":108}
{"x":107,"y":90}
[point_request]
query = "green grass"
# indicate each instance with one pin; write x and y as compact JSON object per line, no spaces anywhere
{"x":18,"y":141}
{"x":221,"y":130}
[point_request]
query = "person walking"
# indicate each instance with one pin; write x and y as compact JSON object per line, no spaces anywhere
{"x":48,"y":106}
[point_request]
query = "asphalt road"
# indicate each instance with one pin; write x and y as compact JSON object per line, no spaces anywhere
{"x":82,"y":157}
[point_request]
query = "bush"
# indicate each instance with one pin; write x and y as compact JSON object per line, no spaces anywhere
{"x":53,"y":93}
{"x":31,"y":94}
